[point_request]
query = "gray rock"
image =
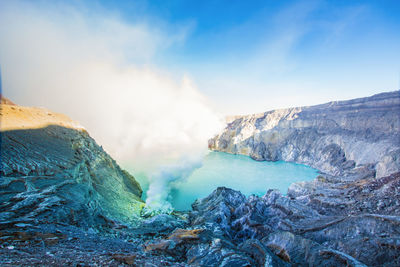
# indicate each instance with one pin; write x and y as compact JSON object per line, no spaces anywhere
{"x":217,"y":210}
{"x":261,"y":254}
{"x":316,"y":225}
{"x":161,"y":223}
{"x":299,"y":251}
{"x":335,"y":137}
{"x":58,"y":178}
{"x":61,"y":175}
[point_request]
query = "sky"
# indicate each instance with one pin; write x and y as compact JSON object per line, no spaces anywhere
{"x":252,"y":56}
{"x":155,"y":78}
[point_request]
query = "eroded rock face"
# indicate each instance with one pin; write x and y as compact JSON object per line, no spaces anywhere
{"x":327,"y":223}
{"x":335,"y":137}
{"x":58,"y":174}
{"x":298,"y":251}
{"x":59,"y":190}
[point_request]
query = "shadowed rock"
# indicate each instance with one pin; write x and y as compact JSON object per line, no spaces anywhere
{"x":57,"y":177}
{"x":304,"y":232}
{"x":298,"y":251}
{"x":59,"y":174}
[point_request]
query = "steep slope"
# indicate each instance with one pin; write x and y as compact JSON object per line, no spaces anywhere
{"x":337,"y":138}
{"x":63,"y":198}
{"x":53,"y":171}
{"x":14,"y":117}
{"x":347,"y":216}
{"x":331,"y":223}
{"x":5,"y":101}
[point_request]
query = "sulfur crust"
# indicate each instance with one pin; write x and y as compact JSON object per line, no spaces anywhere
{"x":13,"y":117}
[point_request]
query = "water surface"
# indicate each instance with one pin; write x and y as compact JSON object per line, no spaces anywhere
{"x":237,"y":172}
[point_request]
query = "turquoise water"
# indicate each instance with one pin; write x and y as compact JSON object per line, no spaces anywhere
{"x":237,"y":172}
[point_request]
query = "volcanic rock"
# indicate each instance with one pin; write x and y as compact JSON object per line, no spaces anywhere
{"x":337,"y":138}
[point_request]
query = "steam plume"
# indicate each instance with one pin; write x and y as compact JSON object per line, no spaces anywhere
{"x":99,"y":70}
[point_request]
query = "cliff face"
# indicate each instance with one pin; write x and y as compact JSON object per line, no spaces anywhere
{"x":327,"y":222}
{"x":330,"y":222}
{"x":53,"y":171}
{"x":62,"y":197}
{"x":338,"y":138}
{"x":346,"y":217}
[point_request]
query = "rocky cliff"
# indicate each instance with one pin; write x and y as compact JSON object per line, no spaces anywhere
{"x":338,"y":138}
{"x":328,"y":222}
{"x":65,"y":202}
{"x":53,"y":171}
{"x":348,"y":216}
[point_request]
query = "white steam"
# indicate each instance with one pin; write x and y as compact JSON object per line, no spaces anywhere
{"x":99,"y":70}
{"x":161,"y":182}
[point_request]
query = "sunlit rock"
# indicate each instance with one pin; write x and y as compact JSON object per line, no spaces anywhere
{"x":335,"y":138}
{"x":55,"y":172}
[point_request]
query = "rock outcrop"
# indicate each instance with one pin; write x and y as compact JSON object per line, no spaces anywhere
{"x":5,"y":101}
{"x":64,"y":201}
{"x":338,"y":138}
{"x":349,"y":215}
{"x":53,"y":171}
{"x":331,"y":222}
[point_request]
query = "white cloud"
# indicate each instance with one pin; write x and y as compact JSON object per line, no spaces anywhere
{"x":98,"y":69}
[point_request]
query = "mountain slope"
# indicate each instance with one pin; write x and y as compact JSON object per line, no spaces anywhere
{"x":53,"y":171}
{"x":64,"y":201}
{"x":337,"y":138}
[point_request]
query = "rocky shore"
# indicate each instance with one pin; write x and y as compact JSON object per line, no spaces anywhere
{"x":66,"y":202}
{"x":336,"y":138}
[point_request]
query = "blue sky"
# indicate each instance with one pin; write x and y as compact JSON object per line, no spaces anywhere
{"x":151,"y":81}
{"x":311,"y":51}
{"x":149,"y":77}
{"x":252,"y":56}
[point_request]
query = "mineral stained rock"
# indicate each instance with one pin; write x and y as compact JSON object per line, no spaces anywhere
{"x":54,"y":171}
{"x":64,"y":201}
{"x":335,"y":138}
{"x":319,"y":229}
{"x":349,"y":215}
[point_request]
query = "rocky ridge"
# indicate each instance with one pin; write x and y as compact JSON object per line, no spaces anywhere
{"x":330,"y":222}
{"x":55,"y":172}
{"x":66,"y":202}
{"x":337,"y":138}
